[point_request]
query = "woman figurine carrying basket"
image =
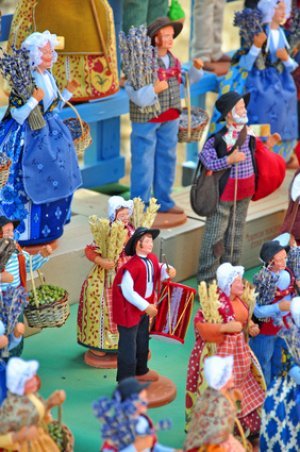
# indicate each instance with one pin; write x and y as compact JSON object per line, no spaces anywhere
{"x":44,"y":172}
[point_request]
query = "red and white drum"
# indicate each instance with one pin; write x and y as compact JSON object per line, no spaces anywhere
{"x":175,"y":305}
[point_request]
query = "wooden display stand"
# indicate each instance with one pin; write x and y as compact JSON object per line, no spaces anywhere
{"x":169,"y":220}
{"x":161,"y":392}
{"x":100,"y":361}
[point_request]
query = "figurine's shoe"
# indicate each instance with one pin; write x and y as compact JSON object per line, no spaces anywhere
{"x":175,"y":209}
{"x":151,"y":375}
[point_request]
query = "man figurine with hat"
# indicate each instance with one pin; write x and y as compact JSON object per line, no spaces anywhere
{"x":132,"y":430}
{"x":275,"y":285}
{"x":230,"y":151}
{"x":15,"y":262}
{"x":154,"y":138}
{"x":134,"y":291}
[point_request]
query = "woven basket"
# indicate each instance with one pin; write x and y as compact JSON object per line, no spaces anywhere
{"x":80,"y":131}
{"x":4,"y":173}
{"x":46,"y":315}
{"x":68,"y":438}
{"x":189,"y":134}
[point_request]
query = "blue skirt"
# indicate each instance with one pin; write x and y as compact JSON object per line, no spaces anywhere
{"x":43,"y":177}
{"x":280,"y":425}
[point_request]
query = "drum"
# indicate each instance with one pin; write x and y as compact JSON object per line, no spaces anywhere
{"x":175,"y":305}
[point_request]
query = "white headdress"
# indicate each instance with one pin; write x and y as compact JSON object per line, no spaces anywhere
{"x":218,"y":370}
{"x":36,"y":41}
{"x":267,"y":8}
{"x":226,"y":274}
{"x":18,"y":372}
{"x":117,"y":202}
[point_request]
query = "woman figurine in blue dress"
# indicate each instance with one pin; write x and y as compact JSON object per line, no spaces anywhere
{"x":263,"y":67}
{"x":44,"y":173}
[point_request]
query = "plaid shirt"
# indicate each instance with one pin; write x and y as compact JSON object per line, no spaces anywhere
{"x":170,"y":98}
{"x":210,"y":160}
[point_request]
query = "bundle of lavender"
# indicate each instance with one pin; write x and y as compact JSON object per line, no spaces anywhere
{"x":139,"y":61}
{"x":15,"y":69}
{"x":249,"y":22}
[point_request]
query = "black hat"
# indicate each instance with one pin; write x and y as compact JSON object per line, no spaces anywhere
{"x":139,"y":232}
{"x":227,"y":101}
{"x":130,"y":386}
{"x":160,"y":23}
{"x":4,"y":220}
{"x":270,"y":248}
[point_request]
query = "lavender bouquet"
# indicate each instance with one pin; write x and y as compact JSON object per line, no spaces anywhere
{"x":15,"y":69}
{"x":294,"y":31}
{"x":139,"y":61}
{"x":249,"y":22}
{"x":12,"y":303}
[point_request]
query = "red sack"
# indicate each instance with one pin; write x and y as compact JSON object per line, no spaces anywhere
{"x":270,"y":171}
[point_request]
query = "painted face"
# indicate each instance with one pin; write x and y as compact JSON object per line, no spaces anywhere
{"x":279,"y":16}
{"x":31,"y":385}
{"x":237,"y":287}
{"x":123,"y":215}
{"x":47,"y":56}
{"x":278,"y":262}
{"x":145,"y":245}
{"x":164,"y":38}
{"x":8,"y":231}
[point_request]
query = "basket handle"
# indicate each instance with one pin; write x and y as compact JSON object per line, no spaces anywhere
{"x":187,"y":97}
{"x":36,"y":300}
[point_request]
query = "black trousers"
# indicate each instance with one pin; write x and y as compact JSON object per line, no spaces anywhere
{"x":133,"y":349}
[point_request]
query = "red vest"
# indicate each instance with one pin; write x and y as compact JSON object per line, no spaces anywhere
{"x":125,"y":313}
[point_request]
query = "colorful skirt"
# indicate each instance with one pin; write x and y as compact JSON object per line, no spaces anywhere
{"x":280,"y":424}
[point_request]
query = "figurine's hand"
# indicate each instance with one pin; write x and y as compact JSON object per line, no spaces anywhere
{"x":253,"y":329}
{"x":38,"y":94}
{"x":236,"y":157}
{"x":143,"y":442}
{"x":6,"y":277}
{"x":198,"y":63}
{"x":25,"y":434}
{"x":107,"y":264}
{"x":72,"y":85}
{"x":151,"y":310}
{"x":284,"y":305}
{"x":259,"y":39}
{"x":19,"y":329}
{"x":273,"y":140}
{"x":46,"y":251}
{"x":171,"y":272}
{"x":231,"y":327}
{"x":282,"y":54}
{"x":57,"y":398}
{"x":3,"y":341}
{"x":160,"y":86}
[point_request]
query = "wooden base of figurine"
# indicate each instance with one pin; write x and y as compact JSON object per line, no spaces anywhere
{"x":34,"y":249}
{"x":161,"y":392}
{"x":169,"y":220}
{"x":100,"y":361}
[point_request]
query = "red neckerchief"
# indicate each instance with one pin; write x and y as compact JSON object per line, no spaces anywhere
{"x":173,"y":71}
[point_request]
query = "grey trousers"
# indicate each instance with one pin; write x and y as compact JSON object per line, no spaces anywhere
{"x":217,"y":238}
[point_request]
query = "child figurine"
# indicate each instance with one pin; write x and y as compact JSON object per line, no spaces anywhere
{"x":220,"y":327}
{"x":281,"y":411}
{"x":264,"y":68}
{"x":126,"y":426}
{"x":24,"y":407}
{"x":133,"y":303}
{"x":154,"y":138}
{"x":215,"y":412}
{"x":44,"y":173}
{"x":275,"y":285}
{"x":95,"y":326}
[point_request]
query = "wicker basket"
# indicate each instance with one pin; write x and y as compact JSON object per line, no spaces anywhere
{"x":46,"y":315}
{"x":80,"y":131}
{"x":189,"y":134}
{"x":68,"y":438}
{"x":4,"y":173}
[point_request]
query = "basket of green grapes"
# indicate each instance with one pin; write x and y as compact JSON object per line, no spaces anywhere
{"x":48,"y":306}
{"x":61,"y":434}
